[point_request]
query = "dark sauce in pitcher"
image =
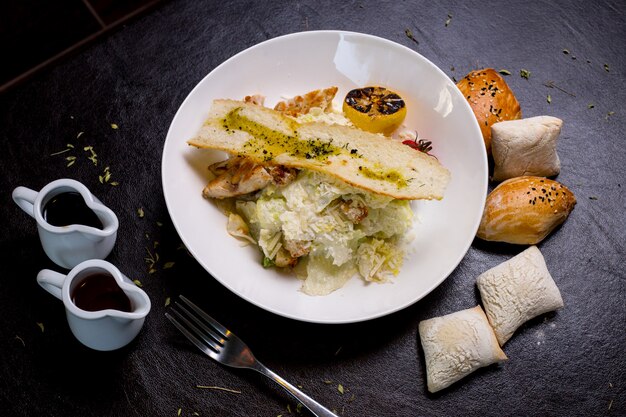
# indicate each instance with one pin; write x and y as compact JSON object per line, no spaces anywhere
{"x":70,"y":208}
{"x":100,"y":291}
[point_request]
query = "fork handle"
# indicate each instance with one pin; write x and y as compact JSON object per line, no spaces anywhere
{"x":315,"y":407}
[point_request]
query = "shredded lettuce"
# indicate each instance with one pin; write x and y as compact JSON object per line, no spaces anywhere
{"x":309,"y":211}
{"x":324,"y":277}
{"x":394,"y":219}
{"x":378,"y":260}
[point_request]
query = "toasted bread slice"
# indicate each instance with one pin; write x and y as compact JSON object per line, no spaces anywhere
{"x":361,"y":159}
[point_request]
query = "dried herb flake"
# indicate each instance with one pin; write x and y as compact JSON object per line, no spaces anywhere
{"x":151,"y":260}
{"x":234,"y":391}
{"x":409,"y":35}
{"x":106,"y":176}
{"x":168,"y":265}
{"x":140,"y":212}
{"x":524,"y":73}
{"x":40,"y":326}
{"x":606,"y":67}
{"x":68,"y":148}
{"x":138,"y":283}
{"x":549,"y":99}
{"x":551,"y":84}
{"x":448,"y":20}
{"x":504,"y":72}
{"x":93,"y":157}
{"x":340,"y":389}
{"x":114,"y":126}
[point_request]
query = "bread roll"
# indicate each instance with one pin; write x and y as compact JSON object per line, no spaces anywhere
{"x":490,"y":98}
{"x":516,"y":291}
{"x":525,"y":210}
{"x":525,"y":147}
{"x":361,"y":159}
{"x":457,"y":344}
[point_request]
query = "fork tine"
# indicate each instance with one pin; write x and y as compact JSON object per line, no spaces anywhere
{"x":204,"y":348}
{"x":201,"y":327}
{"x":221,"y":329}
{"x":211,"y":341}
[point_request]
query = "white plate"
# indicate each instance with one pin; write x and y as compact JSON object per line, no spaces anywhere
{"x":295,"y":64}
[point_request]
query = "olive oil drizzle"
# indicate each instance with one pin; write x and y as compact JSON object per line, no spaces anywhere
{"x":267,"y":143}
{"x":389,"y":175}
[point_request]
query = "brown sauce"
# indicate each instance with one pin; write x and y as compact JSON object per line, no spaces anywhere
{"x":70,"y":208}
{"x":100,"y":291}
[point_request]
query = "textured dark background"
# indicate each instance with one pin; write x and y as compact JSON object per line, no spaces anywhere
{"x":568,"y":363}
{"x":38,"y":33}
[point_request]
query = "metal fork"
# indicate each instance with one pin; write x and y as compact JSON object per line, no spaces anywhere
{"x":221,"y":344}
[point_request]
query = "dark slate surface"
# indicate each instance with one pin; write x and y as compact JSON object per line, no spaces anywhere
{"x":569,"y":363}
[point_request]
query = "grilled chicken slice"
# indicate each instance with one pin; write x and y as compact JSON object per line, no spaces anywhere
{"x":355,"y":210}
{"x":221,"y":167}
{"x":281,"y":175}
{"x":297,"y":248}
{"x":238,"y":176}
{"x":257,"y":99}
{"x":302,"y":104}
{"x":284,"y":260}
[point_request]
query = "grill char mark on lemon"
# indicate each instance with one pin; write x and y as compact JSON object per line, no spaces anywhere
{"x":375,"y":109}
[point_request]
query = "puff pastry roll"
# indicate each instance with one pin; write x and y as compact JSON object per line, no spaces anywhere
{"x":516,"y":291}
{"x":525,"y":147}
{"x":457,"y":344}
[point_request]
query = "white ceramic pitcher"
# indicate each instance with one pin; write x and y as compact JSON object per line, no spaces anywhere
{"x":104,"y":329}
{"x":67,"y":246}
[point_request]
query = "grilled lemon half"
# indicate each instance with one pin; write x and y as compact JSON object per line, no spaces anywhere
{"x":374,"y":109}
